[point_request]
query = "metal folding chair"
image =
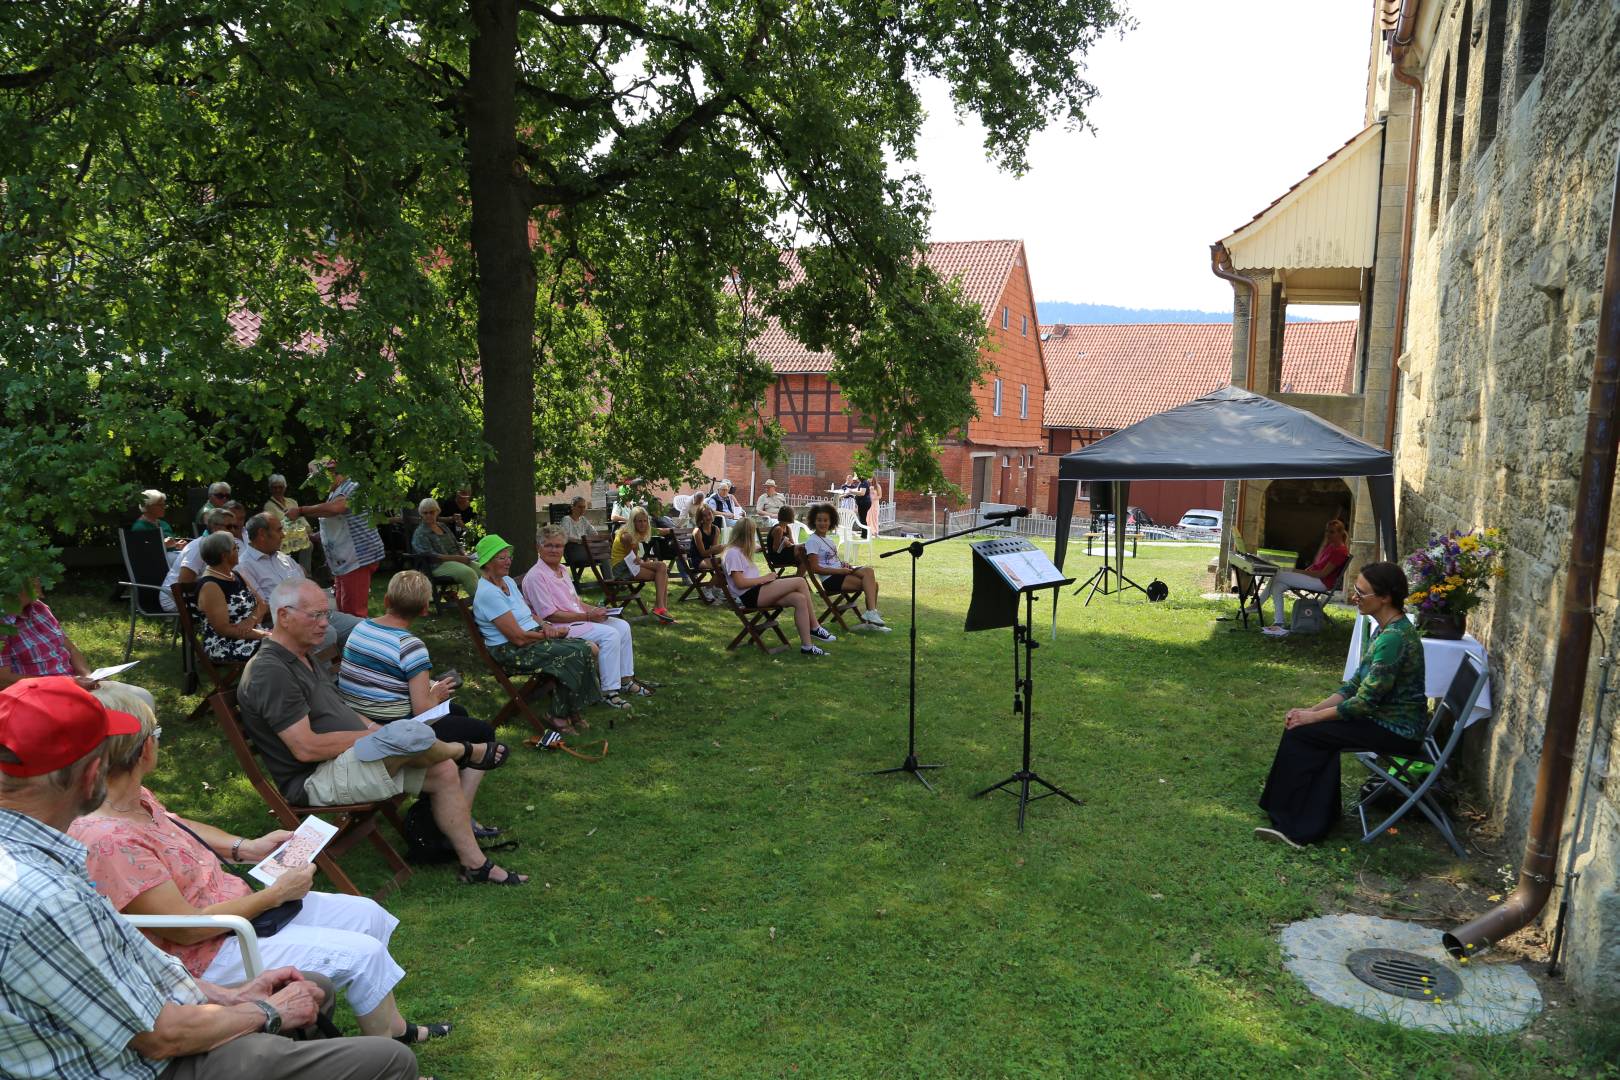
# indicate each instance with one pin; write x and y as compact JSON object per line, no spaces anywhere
{"x":1413,"y":779}
{"x":145,"y":565}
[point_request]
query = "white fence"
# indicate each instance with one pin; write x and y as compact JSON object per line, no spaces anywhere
{"x":1040,"y":525}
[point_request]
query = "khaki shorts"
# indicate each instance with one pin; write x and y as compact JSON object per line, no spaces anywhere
{"x":346,"y":779}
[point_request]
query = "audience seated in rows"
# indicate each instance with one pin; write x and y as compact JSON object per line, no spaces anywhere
{"x":770,"y":504}
{"x":40,"y":648}
{"x":434,"y":540}
{"x":387,"y":675}
{"x":1382,"y":707}
{"x":523,"y":645}
{"x":549,"y":591}
{"x":189,"y":566}
{"x":266,"y":564}
{"x":147,"y":861}
{"x":153,"y":506}
{"x":707,"y":547}
{"x":768,"y":590}
{"x":296,"y":541}
{"x":219,"y":493}
{"x":231,"y":613}
{"x":630,"y":562}
{"x":352,"y":544}
{"x":82,"y":993}
{"x":320,"y":752}
{"x":822,"y":552}
{"x":1322,"y":574}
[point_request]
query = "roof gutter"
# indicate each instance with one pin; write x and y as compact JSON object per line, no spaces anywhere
{"x":1220,"y":261}
{"x":1405,"y":29}
{"x":1570,"y":662}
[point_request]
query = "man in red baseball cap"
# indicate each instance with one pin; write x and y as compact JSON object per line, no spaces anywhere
{"x":83,"y":994}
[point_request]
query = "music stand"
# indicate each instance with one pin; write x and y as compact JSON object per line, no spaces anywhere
{"x":1099,"y":581}
{"x":1003,"y":571}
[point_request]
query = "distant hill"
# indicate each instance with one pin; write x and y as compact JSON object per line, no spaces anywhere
{"x":1058,"y":311}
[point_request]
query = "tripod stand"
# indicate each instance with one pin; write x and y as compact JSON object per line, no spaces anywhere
{"x":915,"y":550}
{"x":1099,"y":581}
{"x":1023,"y":701}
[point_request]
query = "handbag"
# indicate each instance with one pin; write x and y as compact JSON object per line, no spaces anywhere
{"x":265,"y":923}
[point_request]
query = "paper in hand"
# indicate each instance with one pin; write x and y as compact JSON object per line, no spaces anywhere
{"x":108,"y":672}
{"x":427,"y":716}
{"x":299,"y":850}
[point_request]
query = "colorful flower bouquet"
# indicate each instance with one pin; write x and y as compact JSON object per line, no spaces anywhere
{"x":1449,"y":577}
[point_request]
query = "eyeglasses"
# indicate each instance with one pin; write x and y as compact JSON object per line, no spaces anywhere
{"x":319,"y":616}
{"x":157,"y":732}
{"x":1355,"y":594}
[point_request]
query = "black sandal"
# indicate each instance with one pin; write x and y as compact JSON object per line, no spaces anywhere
{"x":486,"y":832}
{"x":411,"y":1038}
{"x":494,"y":757}
{"x":481,"y":876}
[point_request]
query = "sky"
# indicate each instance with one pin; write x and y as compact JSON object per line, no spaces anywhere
{"x":1206,"y":112}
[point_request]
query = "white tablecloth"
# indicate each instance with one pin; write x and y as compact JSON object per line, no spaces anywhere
{"x":1440,"y":662}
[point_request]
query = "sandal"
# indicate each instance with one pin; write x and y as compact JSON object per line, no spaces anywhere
{"x":562,"y":725}
{"x":486,"y":832}
{"x":614,"y":701}
{"x":481,"y":876}
{"x":494,"y":757}
{"x":635,"y":689}
{"x":411,"y":1036}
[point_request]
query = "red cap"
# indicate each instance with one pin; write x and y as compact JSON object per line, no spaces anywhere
{"x":53,"y":722}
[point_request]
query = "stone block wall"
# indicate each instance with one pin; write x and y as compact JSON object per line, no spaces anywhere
{"x":1507,"y":269}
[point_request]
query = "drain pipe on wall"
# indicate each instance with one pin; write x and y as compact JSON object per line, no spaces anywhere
{"x":1405,"y":28}
{"x":1220,"y":261}
{"x":1576,"y":615}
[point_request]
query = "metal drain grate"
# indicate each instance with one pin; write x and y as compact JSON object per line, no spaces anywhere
{"x":1404,"y":974}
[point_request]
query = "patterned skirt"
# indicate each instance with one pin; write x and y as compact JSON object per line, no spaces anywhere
{"x":568,"y":660}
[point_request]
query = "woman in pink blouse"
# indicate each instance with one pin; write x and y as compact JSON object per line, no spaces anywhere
{"x":549,"y":589}
{"x":1323,"y":573}
{"x":147,"y":861}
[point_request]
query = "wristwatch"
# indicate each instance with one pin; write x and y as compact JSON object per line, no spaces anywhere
{"x":272,"y":1018}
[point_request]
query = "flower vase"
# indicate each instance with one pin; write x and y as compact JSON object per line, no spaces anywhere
{"x":1443,"y":625}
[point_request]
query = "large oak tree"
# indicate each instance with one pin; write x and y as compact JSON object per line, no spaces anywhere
{"x":511,"y":236}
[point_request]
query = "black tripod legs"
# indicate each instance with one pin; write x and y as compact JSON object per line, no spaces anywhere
{"x":1023,"y":779}
{"x":909,"y":766}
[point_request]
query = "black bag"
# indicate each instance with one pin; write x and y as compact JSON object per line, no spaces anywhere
{"x":426,"y":844}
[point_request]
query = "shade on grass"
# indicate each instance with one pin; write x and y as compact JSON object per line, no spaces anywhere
{"x":726,"y":895}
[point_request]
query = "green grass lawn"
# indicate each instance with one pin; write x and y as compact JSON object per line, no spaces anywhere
{"x":727,"y":895}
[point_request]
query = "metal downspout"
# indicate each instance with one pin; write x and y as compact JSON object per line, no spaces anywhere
{"x":1587,"y":538}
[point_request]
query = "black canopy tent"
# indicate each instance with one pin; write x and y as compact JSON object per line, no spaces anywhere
{"x":1231,"y":434}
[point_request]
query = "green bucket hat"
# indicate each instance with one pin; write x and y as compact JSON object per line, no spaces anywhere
{"x":489,"y":547}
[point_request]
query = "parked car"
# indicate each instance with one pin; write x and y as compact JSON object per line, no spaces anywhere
{"x":1135,"y":519}
{"x":1200,"y":523}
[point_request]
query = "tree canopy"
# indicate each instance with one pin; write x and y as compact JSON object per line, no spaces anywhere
{"x":506,"y":237}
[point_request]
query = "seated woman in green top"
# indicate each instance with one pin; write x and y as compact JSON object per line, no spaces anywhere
{"x":1382,"y":707}
{"x":153,"y":505}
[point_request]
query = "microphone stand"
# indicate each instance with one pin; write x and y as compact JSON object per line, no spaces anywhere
{"x":915,"y":550}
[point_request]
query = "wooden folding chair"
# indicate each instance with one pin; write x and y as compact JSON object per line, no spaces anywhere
{"x":517,"y":703}
{"x":756,"y":621}
{"x":698,"y":577}
{"x":838,"y":603}
{"x":221,"y":676}
{"x":616,"y":592}
{"x":354,"y":821}
{"x":787,"y":563}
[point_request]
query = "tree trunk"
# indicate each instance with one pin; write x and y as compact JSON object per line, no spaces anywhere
{"x":506,"y":277}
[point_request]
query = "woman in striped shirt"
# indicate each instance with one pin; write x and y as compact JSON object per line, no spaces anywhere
{"x":386,"y":675}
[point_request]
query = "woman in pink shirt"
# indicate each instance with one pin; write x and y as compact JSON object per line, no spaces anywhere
{"x":1323,"y":574}
{"x":549,"y":589}
{"x":147,"y":861}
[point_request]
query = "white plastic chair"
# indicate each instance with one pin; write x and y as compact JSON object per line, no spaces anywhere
{"x":856,"y":541}
{"x":252,"y":963}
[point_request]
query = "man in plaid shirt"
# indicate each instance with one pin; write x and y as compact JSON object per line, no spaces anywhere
{"x":41,"y":647}
{"x":83,"y":995}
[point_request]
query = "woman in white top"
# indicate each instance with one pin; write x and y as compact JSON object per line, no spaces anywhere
{"x":753,"y":590}
{"x":835,"y":575}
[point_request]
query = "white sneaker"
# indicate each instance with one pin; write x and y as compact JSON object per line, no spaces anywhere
{"x":823,"y":633}
{"x":1277,"y":838}
{"x":812,"y":650}
{"x":873,"y":617}
{"x":1274,"y":631}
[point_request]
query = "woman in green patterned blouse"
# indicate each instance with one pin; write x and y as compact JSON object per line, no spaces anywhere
{"x":1382,"y":707}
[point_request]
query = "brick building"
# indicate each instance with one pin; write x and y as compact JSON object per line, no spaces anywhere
{"x":994,"y":460}
{"x":1109,"y":376}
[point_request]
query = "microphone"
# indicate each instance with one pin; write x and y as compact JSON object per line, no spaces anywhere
{"x":1007,"y":515}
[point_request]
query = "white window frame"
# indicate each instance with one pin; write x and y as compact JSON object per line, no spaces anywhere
{"x":1023,"y":325}
{"x":1006,"y":318}
{"x":1023,"y":401}
{"x":995,"y":408}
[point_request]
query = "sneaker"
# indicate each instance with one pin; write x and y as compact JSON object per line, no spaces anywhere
{"x":823,"y":634}
{"x":812,"y":650}
{"x":663,"y":615}
{"x":1276,"y":837}
{"x":872,"y":617}
{"x":1277,"y":631}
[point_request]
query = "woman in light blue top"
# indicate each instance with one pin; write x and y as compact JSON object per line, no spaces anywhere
{"x":522,"y":644}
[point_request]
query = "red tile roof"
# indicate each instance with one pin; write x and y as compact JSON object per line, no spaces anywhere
{"x":1109,"y":376}
{"x":982,"y":267}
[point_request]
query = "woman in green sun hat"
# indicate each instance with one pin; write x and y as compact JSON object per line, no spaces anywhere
{"x":522,"y":644}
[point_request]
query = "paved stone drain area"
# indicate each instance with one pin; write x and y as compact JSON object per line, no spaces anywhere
{"x":1495,"y":998}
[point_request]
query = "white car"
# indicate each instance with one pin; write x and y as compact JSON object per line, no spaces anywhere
{"x":1200,"y":523}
